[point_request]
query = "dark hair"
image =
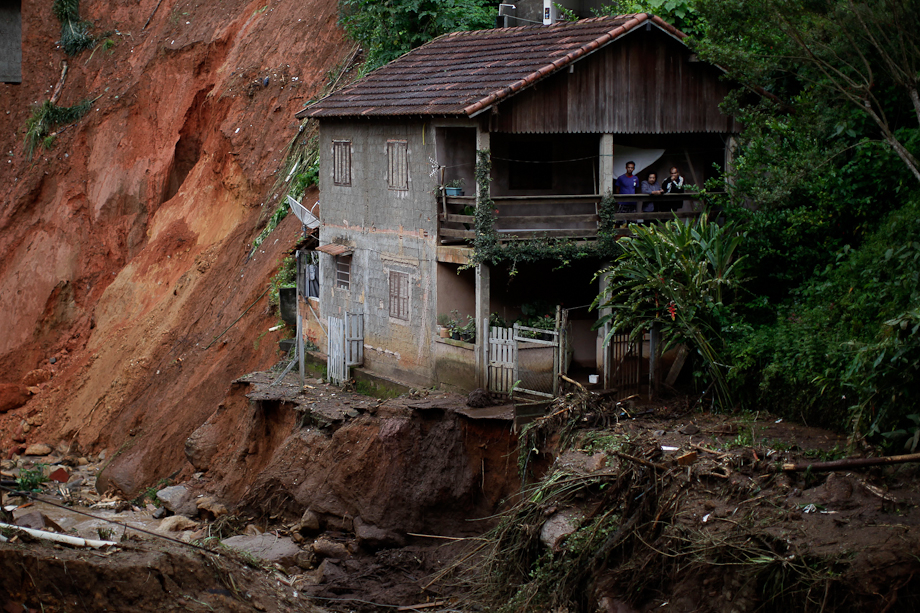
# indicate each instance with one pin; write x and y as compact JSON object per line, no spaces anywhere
{"x":653,"y":174}
{"x":630,"y":162}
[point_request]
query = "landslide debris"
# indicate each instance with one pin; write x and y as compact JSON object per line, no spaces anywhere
{"x":681,"y":511}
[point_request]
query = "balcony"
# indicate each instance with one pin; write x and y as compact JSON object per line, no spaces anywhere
{"x":574,"y":217}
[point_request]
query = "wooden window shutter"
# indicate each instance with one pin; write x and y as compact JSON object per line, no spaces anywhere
{"x":341,"y":162}
{"x":398,"y":164}
{"x":399,"y":295}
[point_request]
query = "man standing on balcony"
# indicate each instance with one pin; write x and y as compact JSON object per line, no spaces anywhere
{"x":628,"y":184}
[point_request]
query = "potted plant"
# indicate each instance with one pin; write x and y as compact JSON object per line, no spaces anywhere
{"x":454,"y":187}
{"x":443,"y":325}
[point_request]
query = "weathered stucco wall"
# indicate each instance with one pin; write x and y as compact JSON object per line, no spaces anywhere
{"x":389,"y":231}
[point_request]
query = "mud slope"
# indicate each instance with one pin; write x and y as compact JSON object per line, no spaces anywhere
{"x":123,"y":249}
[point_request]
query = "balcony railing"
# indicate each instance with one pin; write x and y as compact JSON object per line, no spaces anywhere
{"x":523,"y":217}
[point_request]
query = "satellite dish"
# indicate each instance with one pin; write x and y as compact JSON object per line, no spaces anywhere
{"x":306,"y":216}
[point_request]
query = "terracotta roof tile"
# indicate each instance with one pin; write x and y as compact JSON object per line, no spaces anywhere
{"x":465,"y":72}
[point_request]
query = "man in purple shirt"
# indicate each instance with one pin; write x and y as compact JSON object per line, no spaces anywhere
{"x":628,"y":184}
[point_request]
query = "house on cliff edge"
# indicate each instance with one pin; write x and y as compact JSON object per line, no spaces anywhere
{"x":558,"y":110}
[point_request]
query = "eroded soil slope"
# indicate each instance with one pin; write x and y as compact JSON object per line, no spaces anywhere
{"x":125,"y":246}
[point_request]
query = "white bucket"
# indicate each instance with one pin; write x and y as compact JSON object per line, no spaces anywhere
{"x":592,"y":378}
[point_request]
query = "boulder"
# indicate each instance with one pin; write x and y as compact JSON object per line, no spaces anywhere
{"x":371,"y":537}
{"x":38,"y":449}
{"x":36,"y":377}
{"x":178,"y":499}
{"x":209,"y":506}
{"x":13,"y":396}
{"x":176,"y":523}
{"x":325,"y":547}
{"x":267,"y":547}
{"x":309,"y":522}
{"x":202,"y":445}
{"x":559,"y":526}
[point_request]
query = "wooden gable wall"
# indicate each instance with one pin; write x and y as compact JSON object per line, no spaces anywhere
{"x":643,"y":83}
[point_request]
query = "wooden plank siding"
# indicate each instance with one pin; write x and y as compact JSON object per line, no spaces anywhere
{"x":649,"y":86}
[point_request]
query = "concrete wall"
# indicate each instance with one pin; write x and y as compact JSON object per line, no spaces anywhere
{"x":10,"y":41}
{"x":388,"y":230}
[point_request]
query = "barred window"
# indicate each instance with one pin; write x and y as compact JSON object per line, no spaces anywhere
{"x":343,"y":272}
{"x":399,"y":295}
{"x":341,"y":162}
{"x":398,"y":164}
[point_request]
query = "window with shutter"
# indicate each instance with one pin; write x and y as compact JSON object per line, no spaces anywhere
{"x":399,"y":295}
{"x":398,"y":164}
{"x":341,"y":162}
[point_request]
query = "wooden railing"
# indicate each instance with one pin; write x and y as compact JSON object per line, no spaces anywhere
{"x":568,"y":216}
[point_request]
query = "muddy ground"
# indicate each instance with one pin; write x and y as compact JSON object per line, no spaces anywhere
{"x":379,"y":498}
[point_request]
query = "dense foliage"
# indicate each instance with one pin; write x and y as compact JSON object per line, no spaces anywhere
{"x":387,"y":29}
{"x":825,"y":184}
{"x":680,"y":277}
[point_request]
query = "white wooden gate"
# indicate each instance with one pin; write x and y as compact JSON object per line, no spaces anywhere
{"x":346,"y":346}
{"x":502,"y":357}
{"x":336,"y":371}
{"x":527,"y":357}
{"x":538,"y":363}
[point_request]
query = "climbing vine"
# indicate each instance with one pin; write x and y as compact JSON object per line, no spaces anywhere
{"x":488,"y":250}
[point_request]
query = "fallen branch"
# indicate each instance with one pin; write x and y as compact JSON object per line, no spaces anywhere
{"x":573,"y":382}
{"x":620,"y":454}
{"x":60,"y":85}
{"x":853,"y":463}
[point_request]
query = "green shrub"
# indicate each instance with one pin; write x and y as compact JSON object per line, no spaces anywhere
{"x":845,"y":351}
{"x":45,"y":118}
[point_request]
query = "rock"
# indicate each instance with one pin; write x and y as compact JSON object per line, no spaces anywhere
{"x":12,"y":396}
{"x":26,"y":427}
{"x":178,"y":499}
{"x":36,"y":377}
{"x":38,"y":449}
{"x":209,"y":506}
{"x":325,"y":547}
{"x":559,"y":526}
{"x":690,"y":429}
{"x":202,"y":445}
{"x":177,"y":523}
{"x":160,"y":513}
{"x":306,"y":560}
{"x":60,"y":475}
{"x":37,"y":521}
{"x":252,"y":530}
{"x":309,"y":522}
{"x":267,"y":547}
{"x":330,"y":572}
{"x":371,"y":537}
{"x":479,"y":398}
{"x":82,"y":461}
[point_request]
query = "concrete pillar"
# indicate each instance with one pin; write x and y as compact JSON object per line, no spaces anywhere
{"x":604,"y":357}
{"x":483,"y":142}
{"x":482,"y":325}
{"x":606,"y":172}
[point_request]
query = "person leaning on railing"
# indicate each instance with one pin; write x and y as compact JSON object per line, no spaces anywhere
{"x":652,"y":188}
{"x":674,"y":184}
